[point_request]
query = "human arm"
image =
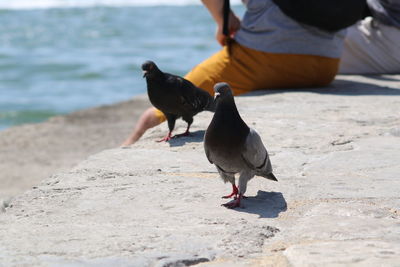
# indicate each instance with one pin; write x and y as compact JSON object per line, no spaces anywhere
{"x":215,"y":8}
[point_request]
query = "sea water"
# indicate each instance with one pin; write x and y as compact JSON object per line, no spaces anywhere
{"x":59,"y":56}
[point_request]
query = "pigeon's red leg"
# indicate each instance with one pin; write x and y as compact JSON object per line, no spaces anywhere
{"x":234,"y":193}
{"x":234,"y":203}
{"x":166,"y":138}
{"x":187,"y":133}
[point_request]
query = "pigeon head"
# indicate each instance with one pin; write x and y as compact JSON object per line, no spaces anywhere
{"x":222,"y":91}
{"x":149,"y":68}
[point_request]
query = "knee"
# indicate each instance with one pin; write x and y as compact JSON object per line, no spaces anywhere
{"x":151,"y":118}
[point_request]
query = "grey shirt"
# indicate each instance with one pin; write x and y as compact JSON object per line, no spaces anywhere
{"x":266,"y":28}
{"x":386,"y":11}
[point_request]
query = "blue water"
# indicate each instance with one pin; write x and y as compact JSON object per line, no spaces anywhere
{"x":58,"y":60}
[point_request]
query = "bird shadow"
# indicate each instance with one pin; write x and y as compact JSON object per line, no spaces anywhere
{"x":194,"y":137}
{"x":265,"y":204}
{"x":341,"y":87}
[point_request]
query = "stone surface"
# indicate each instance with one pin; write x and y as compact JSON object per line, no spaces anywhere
{"x":31,"y":152}
{"x":335,"y":152}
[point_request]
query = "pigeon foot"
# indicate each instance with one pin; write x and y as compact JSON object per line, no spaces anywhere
{"x":234,"y":193}
{"x":166,"y":138}
{"x":233,"y":204}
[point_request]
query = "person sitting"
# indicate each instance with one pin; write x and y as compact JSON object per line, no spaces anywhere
{"x":372,"y":46}
{"x":270,"y":49}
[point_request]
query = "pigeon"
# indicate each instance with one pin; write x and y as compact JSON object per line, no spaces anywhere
{"x":233,"y":147}
{"x":175,"y":96}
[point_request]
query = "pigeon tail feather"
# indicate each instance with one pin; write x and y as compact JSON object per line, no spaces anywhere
{"x":272,"y":177}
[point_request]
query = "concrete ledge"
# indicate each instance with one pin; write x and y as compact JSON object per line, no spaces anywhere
{"x":336,"y":155}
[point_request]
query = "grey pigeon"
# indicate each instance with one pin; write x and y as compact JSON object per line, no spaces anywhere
{"x":175,"y":96}
{"x":233,"y":147}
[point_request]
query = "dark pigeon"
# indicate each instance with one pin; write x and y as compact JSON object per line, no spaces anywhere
{"x":233,"y":147}
{"x":175,"y":96}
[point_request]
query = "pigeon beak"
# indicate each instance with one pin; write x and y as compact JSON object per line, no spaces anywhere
{"x":216,"y":95}
{"x":144,"y":73}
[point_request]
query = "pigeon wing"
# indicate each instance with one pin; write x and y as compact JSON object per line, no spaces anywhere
{"x":193,"y":98}
{"x":255,"y":154}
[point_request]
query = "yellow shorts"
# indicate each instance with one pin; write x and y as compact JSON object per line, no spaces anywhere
{"x":248,"y":70}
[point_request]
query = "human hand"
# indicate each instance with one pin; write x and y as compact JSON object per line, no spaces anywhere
{"x":233,"y":27}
